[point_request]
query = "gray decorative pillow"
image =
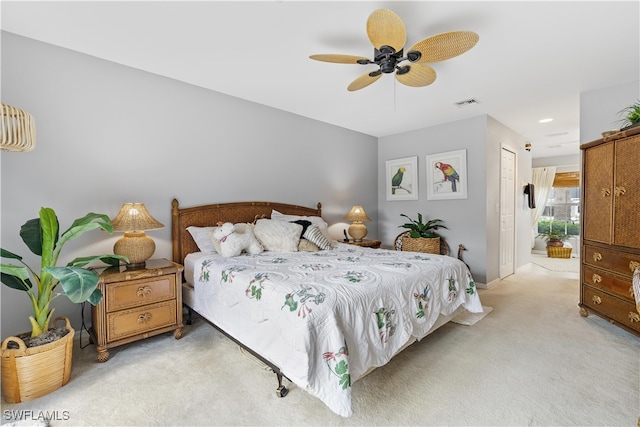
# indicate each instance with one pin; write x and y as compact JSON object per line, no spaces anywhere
{"x":315,"y":236}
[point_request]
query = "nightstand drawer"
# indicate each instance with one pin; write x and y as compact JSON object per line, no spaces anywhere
{"x":617,"y":309}
{"x":127,"y":323}
{"x":608,"y":281}
{"x":140,"y":292}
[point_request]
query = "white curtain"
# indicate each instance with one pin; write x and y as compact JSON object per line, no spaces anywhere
{"x":543,"y":182}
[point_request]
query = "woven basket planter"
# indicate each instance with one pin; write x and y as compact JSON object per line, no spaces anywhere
{"x":421,"y":244}
{"x":557,"y":252}
{"x":32,"y":372}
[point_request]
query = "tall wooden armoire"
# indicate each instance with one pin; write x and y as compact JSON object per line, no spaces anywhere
{"x":610,"y":218}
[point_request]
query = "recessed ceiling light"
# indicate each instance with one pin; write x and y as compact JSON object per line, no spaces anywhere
{"x":545,"y":120}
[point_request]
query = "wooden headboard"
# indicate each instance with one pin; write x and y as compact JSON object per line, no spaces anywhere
{"x":183,"y":244}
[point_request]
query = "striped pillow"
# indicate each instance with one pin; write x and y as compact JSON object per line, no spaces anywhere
{"x":314,"y":235}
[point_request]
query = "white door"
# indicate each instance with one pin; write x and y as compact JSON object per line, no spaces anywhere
{"x":507,"y":209}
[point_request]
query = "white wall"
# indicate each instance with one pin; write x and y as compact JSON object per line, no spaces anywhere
{"x":600,"y":108}
{"x":109,"y":134}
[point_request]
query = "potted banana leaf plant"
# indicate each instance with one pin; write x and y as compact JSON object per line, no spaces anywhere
{"x":47,"y":349}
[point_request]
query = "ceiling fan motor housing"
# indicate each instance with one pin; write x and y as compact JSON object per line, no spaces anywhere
{"x":387,"y":58}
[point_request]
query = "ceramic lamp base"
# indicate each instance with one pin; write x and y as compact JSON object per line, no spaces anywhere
{"x":358,"y":231}
{"x":136,"y":246}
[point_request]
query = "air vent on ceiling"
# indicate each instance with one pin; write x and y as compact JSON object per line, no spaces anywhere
{"x":467,"y":102}
{"x":556,"y":134}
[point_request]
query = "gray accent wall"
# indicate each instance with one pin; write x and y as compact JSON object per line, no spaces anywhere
{"x":475,"y":221}
{"x":109,"y":134}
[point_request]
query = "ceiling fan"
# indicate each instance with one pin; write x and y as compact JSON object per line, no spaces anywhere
{"x":388,"y":35}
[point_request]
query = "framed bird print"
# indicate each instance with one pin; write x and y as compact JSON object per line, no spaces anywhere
{"x":402,"y":179}
{"x":447,"y":175}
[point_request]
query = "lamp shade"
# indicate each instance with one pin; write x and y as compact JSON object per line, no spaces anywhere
{"x":134,"y":219}
{"x":357,"y":213}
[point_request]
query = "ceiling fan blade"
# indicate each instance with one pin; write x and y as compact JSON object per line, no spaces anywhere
{"x":363,"y":81}
{"x":384,"y":27}
{"x":444,"y":46}
{"x":339,"y":59}
{"x":418,"y":75}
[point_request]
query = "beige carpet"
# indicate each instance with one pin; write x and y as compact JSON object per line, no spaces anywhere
{"x":532,"y":361}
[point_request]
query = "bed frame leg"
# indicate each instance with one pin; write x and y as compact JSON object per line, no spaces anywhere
{"x":281,"y":391}
{"x":190,"y":313}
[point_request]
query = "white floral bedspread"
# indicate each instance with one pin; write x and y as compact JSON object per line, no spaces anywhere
{"x":325,"y":318}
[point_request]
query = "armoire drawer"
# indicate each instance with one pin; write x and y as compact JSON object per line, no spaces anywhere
{"x":610,"y":259}
{"x":617,"y":309}
{"x":139,"y":292}
{"x":608,"y":281}
{"x":126,"y":323}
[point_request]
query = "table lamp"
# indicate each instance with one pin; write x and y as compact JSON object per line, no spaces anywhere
{"x":357,"y":229}
{"x":133,"y":219}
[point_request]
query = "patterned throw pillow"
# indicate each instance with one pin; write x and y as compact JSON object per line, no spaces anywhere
{"x":314,"y":235}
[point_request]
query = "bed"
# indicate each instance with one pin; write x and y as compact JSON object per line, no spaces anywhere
{"x":321,"y":316}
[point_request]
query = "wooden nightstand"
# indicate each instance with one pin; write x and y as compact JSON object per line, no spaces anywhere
{"x":366,"y":243}
{"x":137,"y":304}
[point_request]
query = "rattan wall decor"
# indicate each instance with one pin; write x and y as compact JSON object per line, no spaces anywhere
{"x":18,"y":129}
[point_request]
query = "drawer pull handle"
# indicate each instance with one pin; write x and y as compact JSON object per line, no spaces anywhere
{"x":633,"y":265}
{"x":634,"y":317}
{"x":619,"y":191}
{"x":143,"y":291}
{"x":631,"y":291}
{"x":605,"y":192}
{"x":597,"y":300}
{"x":143,"y":318}
{"x":597,"y":256}
{"x":597,"y":278}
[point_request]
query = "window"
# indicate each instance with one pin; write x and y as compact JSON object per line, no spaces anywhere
{"x":562,"y":212}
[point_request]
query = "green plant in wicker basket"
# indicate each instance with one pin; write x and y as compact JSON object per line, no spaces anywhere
{"x":422,"y":229}
{"x":42,"y":237}
{"x":631,"y":115}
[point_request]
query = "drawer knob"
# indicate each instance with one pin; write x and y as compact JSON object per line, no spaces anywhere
{"x":619,"y":191}
{"x":597,"y":300}
{"x":143,"y":318}
{"x":597,"y":256}
{"x":597,"y":278}
{"x":633,"y":265}
{"x":143,"y":291}
{"x":605,"y":192}
{"x":634,"y":317}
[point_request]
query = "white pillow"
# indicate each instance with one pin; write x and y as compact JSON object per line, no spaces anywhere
{"x":204,"y":238}
{"x":278,"y":236}
{"x":279,"y":216}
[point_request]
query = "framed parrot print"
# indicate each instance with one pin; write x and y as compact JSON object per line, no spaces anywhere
{"x":402,"y":179}
{"x":447,"y":175}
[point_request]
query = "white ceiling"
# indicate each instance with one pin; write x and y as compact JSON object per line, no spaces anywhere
{"x":532,"y":61}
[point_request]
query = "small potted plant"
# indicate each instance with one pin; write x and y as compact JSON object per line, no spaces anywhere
{"x":554,"y":238}
{"x":22,"y":379}
{"x":422,"y":236}
{"x":631,"y":116}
